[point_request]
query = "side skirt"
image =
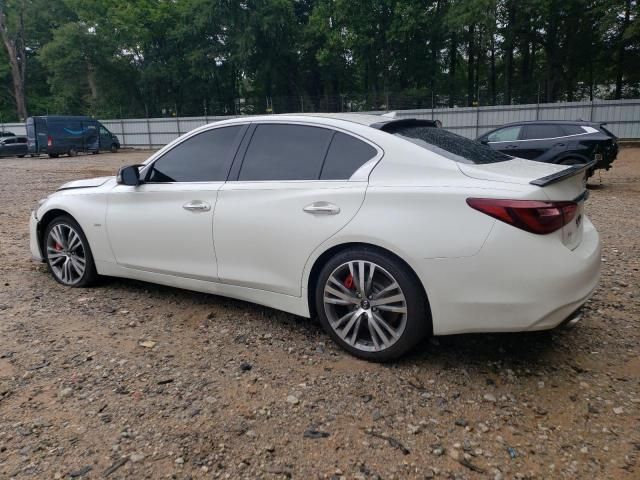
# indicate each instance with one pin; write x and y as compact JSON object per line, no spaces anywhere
{"x":286,"y":303}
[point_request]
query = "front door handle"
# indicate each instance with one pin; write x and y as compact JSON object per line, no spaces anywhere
{"x":322,"y":208}
{"x":197,"y":206}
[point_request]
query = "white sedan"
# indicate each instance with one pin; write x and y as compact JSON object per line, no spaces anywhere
{"x":387,"y":229}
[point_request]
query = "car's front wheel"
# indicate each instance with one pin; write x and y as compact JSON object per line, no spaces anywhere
{"x":68,"y":253}
{"x":371,"y":304}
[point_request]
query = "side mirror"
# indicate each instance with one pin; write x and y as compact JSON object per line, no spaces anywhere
{"x":129,"y":175}
{"x":484,"y":141}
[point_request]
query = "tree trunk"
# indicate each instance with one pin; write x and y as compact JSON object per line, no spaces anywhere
{"x":17,"y":61}
{"x":492,"y":82}
{"x":91,"y":81}
{"x":453,"y":60}
{"x":470,"y":64}
{"x":508,"y":54}
{"x":621,"y":47}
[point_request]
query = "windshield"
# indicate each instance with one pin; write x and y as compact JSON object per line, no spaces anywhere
{"x":449,"y":145}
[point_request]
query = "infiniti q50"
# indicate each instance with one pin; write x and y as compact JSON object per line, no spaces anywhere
{"x":388,"y":230}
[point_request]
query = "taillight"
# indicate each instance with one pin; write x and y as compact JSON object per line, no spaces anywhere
{"x":534,"y":216}
{"x":50,"y":141}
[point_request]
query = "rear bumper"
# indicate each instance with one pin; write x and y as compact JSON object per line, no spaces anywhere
{"x":517,"y":282}
{"x":34,"y":244}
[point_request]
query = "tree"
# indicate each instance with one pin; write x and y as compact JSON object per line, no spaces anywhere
{"x":12,"y":31}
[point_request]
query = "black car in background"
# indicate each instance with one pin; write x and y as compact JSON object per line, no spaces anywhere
{"x":555,"y":141}
{"x":13,"y":146}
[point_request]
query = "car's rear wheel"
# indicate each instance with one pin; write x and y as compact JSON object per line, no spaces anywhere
{"x":371,"y":304}
{"x":68,"y":253}
{"x":114,"y":148}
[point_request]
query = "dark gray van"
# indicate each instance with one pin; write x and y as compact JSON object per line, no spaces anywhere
{"x":57,"y":135}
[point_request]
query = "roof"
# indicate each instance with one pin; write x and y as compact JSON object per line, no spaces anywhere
{"x":554,"y":122}
{"x":379,"y":122}
{"x":361,"y":118}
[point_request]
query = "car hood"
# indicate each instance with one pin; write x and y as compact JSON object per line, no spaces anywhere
{"x":85,"y":183}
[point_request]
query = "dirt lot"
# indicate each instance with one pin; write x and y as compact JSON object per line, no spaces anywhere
{"x":227,"y":389}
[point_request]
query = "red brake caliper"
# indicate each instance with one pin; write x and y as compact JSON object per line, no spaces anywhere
{"x":348,"y":282}
{"x":57,"y":246}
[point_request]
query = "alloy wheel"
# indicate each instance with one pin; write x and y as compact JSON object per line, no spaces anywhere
{"x":66,"y":254}
{"x":365,"y":305}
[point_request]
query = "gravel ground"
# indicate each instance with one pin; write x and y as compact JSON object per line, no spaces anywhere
{"x":133,"y":380}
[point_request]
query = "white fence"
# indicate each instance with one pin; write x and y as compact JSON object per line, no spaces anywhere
{"x":622,"y":118}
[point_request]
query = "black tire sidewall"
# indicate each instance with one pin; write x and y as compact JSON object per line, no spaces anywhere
{"x":90,"y":275}
{"x":418,"y":320}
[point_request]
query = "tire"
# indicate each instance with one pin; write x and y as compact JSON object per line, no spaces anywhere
{"x":21,"y":156}
{"x":114,"y":148}
{"x":72,"y":152}
{"x":53,"y":155}
{"x":373,"y":340}
{"x":65,"y":264}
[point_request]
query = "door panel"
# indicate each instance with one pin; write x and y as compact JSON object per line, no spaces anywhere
{"x":164,"y":228}
{"x":264,"y":237}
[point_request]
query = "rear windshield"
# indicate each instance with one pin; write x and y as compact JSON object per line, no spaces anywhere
{"x":450,"y":145}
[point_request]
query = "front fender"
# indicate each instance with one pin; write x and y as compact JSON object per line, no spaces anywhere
{"x":88,"y":209}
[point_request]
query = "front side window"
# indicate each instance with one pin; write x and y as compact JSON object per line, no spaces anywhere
{"x":205,"y":157}
{"x":508,"y":134}
{"x":104,"y":131}
{"x":9,"y":141}
{"x":537,"y":132}
{"x":346,"y":155}
{"x":285,"y":152}
{"x":21,"y":139}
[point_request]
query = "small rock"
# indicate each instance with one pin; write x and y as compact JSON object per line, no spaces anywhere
{"x":618,"y":410}
{"x":136,"y":457}
{"x":488,"y":397}
{"x":147,"y":344}
{"x":293,"y":400}
{"x":66,"y":392}
{"x":461,"y":422}
{"x":179,"y":461}
{"x":245,"y":367}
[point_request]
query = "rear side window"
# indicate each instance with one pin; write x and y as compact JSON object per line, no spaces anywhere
{"x":205,"y":157}
{"x":573,"y":129}
{"x":346,"y":154}
{"x":451,"y":146}
{"x":508,"y":134}
{"x":21,"y":139}
{"x":285,"y":152}
{"x":536,"y":132}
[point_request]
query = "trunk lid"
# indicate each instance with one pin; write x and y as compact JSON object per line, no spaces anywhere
{"x":557,"y":183}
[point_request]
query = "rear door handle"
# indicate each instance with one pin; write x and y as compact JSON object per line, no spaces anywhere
{"x":558,"y":144}
{"x":197,"y":206}
{"x":322,"y":208}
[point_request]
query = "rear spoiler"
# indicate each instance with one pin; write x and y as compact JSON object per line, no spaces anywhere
{"x":392,"y":124}
{"x":562,"y":174}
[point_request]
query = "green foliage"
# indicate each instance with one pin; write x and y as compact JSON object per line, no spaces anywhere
{"x":114,"y":58}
